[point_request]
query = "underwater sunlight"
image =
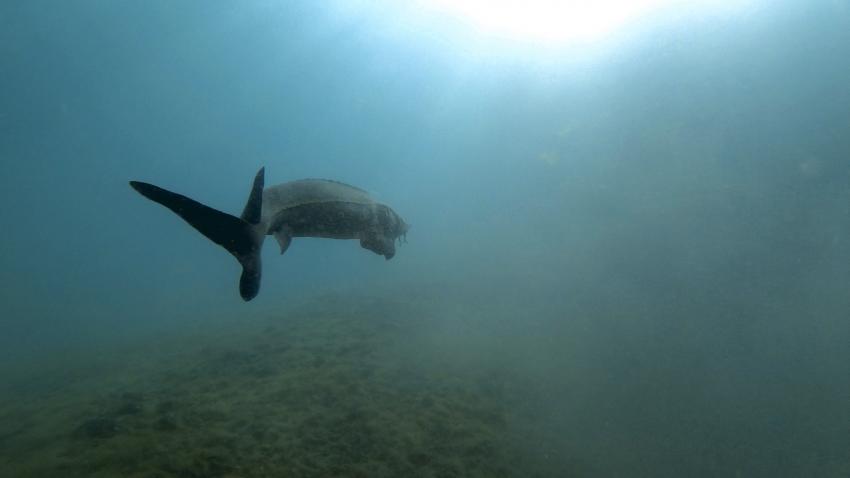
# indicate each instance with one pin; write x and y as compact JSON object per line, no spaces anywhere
{"x":559,"y":23}
{"x":629,"y":253}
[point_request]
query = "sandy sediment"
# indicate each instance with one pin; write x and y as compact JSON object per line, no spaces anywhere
{"x":346,"y":386}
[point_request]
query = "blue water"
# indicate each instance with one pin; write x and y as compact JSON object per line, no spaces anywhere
{"x":666,"y":209}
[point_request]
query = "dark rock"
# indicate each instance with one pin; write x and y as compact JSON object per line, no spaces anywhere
{"x":419,"y":459}
{"x":132,"y":397}
{"x":166,"y":423}
{"x":100,"y":427}
{"x":128,"y":408}
{"x":165,"y":406}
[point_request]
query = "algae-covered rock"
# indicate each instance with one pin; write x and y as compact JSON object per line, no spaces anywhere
{"x":98,"y":427}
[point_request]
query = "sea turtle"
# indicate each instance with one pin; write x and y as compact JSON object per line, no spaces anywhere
{"x":302,"y":208}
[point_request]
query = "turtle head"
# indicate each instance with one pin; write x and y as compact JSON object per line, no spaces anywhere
{"x":390,"y":227}
{"x":391,"y":224}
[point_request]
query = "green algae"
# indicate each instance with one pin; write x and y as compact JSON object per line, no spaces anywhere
{"x":342,"y":387}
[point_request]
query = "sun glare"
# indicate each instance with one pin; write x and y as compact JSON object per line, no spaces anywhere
{"x":550,"y":21}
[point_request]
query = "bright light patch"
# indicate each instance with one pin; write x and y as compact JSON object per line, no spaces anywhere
{"x":550,"y":21}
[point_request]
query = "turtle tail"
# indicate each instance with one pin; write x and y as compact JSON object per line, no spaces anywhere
{"x":241,"y":236}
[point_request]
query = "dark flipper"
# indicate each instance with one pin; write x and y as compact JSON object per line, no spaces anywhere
{"x":252,"y":272}
{"x":238,"y":236}
{"x":228,"y":231}
{"x":284,"y":238}
{"x":254,"y":207}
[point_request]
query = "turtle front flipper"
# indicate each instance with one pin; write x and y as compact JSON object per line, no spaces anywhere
{"x":284,"y":238}
{"x":379,"y":244}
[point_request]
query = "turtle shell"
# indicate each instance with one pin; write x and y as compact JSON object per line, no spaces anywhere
{"x":311,"y":191}
{"x":319,"y":208}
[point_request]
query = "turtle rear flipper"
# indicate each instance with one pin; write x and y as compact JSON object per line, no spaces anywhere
{"x":284,"y":238}
{"x":242,"y":237}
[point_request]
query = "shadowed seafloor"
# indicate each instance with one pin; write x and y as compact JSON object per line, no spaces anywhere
{"x":343,"y":387}
{"x":427,"y":381}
